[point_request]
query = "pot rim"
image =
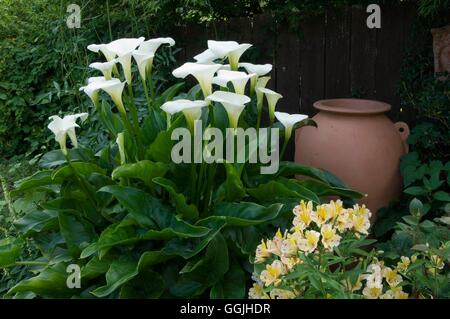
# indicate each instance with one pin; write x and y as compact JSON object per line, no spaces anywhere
{"x":352,"y":106}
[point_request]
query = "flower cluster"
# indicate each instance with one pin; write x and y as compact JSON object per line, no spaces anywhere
{"x":384,"y":282}
{"x":219,"y":82}
{"x":313,"y":231}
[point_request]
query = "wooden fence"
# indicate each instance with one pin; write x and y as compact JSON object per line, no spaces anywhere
{"x":332,"y":55}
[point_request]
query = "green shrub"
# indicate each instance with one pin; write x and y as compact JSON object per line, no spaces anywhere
{"x":137,"y":223}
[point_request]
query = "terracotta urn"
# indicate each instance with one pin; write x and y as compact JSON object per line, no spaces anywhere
{"x":355,"y":141}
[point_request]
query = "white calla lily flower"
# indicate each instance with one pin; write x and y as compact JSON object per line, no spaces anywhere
{"x":272,"y":100}
{"x":203,"y":73}
{"x":233,"y":103}
{"x":239,"y":80}
{"x":192,"y":110}
{"x":206,"y":57}
{"x":125,"y":62}
{"x":225,"y":67}
{"x":260,"y":83}
{"x":144,"y":61}
{"x":288,"y":121}
{"x":124,"y":48}
{"x":109,"y":55}
{"x":92,"y":88}
{"x":114,"y":88}
{"x":230,"y":49}
{"x":120,"y":140}
{"x":62,"y":127}
{"x":104,"y":67}
{"x":96,"y":79}
{"x":258,"y":69}
{"x":152,"y":45}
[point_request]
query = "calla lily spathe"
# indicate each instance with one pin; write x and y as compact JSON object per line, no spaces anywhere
{"x":153,"y":45}
{"x":258,"y":69}
{"x":125,"y":45}
{"x":230,"y":49}
{"x":109,"y":56}
{"x":120,"y":140}
{"x":192,"y":110}
{"x":206,"y":57}
{"x":144,"y":61}
{"x":104,"y":67}
{"x":233,"y":103}
{"x":203,"y":73}
{"x":288,"y":121}
{"x":146,"y":52}
{"x":92,"y":88}
{"x":62,"y":127}
{"x":239,"y":80}
{"x":124,"y":48}
{"x":114,"y":88}
{"x":272,"y":100}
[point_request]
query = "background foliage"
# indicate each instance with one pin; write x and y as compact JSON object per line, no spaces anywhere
{"x":40,"y":82}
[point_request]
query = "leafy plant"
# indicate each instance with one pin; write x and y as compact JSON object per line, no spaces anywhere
{"x":428,"y":181}
{"x":427,"y":244}
{"x":326,"y":254}
{"x":139,"y":224}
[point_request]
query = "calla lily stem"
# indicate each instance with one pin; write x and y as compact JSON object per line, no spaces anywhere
{"x":147,"y":97}
{"x":283,"y":149}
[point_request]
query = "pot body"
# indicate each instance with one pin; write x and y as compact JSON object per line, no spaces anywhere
{"x":355,"y":141}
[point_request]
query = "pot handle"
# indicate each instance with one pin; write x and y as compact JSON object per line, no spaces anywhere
{"x":403,"y":130}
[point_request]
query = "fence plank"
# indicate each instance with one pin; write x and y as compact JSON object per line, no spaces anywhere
{"x":287,"y":65}
{"x":390,"y":42}
{"x":312,"y":64}
{"x":337,"y":54}
{"x":362,"y":56}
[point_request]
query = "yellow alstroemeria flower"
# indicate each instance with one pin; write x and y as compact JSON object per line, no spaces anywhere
{"x":374,"y":278}
{"x":321,"y":216}
{"x":372,"y":292}
{"x":392,"y":277}
{"x":329,"y":237}
{"x":281,"y":294}
{"x":309,"y":243}
{"x":272,"y":273}
{"x":343,"y":221}
{"x":362,"y":211}
{"x":335,"y":208}
{"x":257,"y":292}
{"x":289,"y":246}
{"x":302,"y":219}
{"x":395,"y":293}
{"x":403,"y":265}
{"x":290,"y":262}
{"x":274,"y":245}
{"x":361,"y":224}
{"x":261,"y":252}
{"x":437,"y":262}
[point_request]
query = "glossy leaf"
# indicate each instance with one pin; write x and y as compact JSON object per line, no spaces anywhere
{"x":10,"y":250}
{"x":188,"y":211}
{"x":246,"y":214}
{"x":144,"y":170}
{"x":151,"y":213}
